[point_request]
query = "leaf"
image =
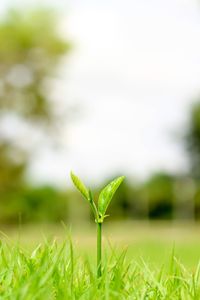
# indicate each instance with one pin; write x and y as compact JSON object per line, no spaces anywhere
{"x":107,"y":194}
{"x":80,"y":186}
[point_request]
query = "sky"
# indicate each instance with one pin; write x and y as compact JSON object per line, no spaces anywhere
{"x":134,"y":72}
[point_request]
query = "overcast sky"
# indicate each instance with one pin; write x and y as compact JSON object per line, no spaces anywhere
{"x":135,"y":71}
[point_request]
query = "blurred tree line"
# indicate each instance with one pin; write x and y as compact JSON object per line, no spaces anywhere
{"x":31,"y":50}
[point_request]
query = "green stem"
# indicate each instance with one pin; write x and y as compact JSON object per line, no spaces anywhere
{"x":93,"y":206}
{"x":99,"y":249}
{"x":94,"y":209}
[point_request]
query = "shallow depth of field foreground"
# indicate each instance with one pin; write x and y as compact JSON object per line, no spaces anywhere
{"x":155,"y":265}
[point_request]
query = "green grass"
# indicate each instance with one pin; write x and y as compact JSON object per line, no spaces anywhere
{"x":152,"y":241}
{"x":63,"y":270}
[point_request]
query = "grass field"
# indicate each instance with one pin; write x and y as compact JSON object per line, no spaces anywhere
{"x":152,"y":241}
{"x":141,"y":261}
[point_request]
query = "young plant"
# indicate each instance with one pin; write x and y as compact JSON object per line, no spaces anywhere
{"x":99,"y":211}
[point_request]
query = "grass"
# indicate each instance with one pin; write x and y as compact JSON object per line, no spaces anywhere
{"x":63,"y":270}
{"x":152,"y":241}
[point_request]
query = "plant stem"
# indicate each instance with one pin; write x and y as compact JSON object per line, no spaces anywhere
{"x":99,"y":249}
{"x":94,"y":209}
{"x":93,"y":206}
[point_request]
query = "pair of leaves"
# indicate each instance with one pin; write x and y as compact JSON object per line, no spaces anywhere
{"x":105,"y":196}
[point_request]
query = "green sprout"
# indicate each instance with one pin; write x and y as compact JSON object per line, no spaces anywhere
{"x":99,"y":211}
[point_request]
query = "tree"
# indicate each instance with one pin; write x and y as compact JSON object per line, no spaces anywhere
{"x":159,"y":190}
{"x":192,"y":140}
{"x":31,"y":49}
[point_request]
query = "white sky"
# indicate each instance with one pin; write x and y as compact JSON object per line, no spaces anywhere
{"x":135,"y":72}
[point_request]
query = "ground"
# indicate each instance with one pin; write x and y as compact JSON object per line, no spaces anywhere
{"x":151,"y":241}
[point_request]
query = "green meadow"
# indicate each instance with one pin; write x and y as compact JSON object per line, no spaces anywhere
{"x":151,"y":241}
{"x":140,"y":261}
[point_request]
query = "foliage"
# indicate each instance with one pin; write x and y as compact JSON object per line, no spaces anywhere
{"x":104,"y":199}
{"x":161,"y":196}
{"x":99,"y":211}
{"x":129,"y":202}
{"x":159,"y":190}
{"x":11,"y":170}
{"x":81,"y":187}
{"x":31,"y":49}
{"x":34,"y":204}
{"x":192,"y":140}
{"x":54,"y":271}
{"x":107,"y":194}
{"x":153,"y":198}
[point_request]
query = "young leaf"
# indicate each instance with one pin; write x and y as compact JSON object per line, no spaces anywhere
{"x":80,"y":186}
{"x":107,"y":194}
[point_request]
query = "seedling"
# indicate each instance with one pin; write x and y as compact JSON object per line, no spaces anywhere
{"x":99,"y":211}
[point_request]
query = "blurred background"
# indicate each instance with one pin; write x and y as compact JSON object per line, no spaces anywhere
{"x":104,"y":88}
